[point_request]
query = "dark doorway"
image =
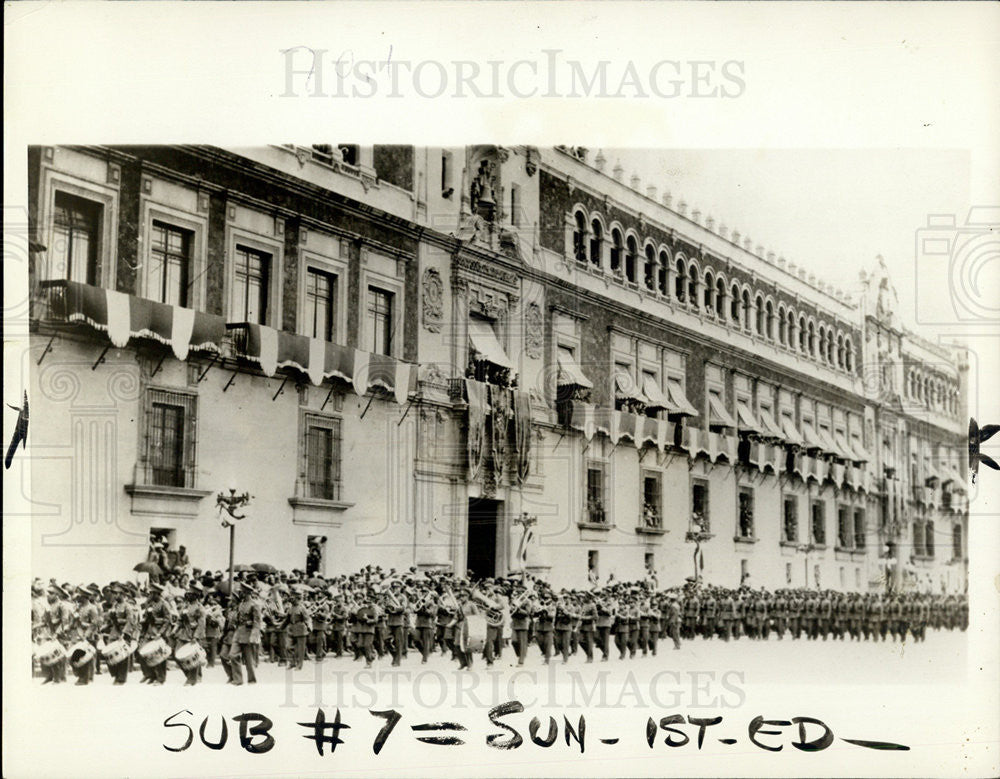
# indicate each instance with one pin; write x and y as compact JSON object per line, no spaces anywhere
{"x":482,"y":554}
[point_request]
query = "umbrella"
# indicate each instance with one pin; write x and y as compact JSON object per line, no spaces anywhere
{"x":222,"y":586}
{"x":242,"y":567}
{"x":264,"y":567}
{"x":315,"y":581}
{"x":148,"y":567}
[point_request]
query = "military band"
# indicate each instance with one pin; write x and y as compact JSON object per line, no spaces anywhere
{"x":287,"y":619}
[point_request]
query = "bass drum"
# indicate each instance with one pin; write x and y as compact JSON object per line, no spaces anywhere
{"x":473,"y":633}
{"x":190,"y":656}
{"x":154,"y":652}
{"x":117,"y":652}
{"x":80,"y":654}
{"x":50,"y":653}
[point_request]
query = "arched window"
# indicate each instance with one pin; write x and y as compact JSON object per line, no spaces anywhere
{"x":708,"y":291}
{"x":830,"y":354}
{"x":662,"y":270}
{"x":746,"y":310}
{"x":782,"y":326}
{"x":822,"y":343}
{"x":840,"y":358}
{"x":759,"y":323}
{"x":769,"y":320}
{"x":734,"y":303}
{"x":812,"y":340}
{"x":596,"y":242}
{"x":720,"y":297}
{"x":631,"y":250}
{"x":650,"y":270}
{"x":580,"y":237}
{"x":803,"y":336}
{"x":616,"y":251}
{"x":693,"y":284}
{"x":849,"y":355}
{"x":680,"y":281}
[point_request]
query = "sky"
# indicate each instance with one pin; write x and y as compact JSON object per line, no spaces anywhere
{"x":832,"y":211}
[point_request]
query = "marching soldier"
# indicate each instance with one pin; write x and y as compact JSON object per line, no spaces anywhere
{"x":673,"y":619}
{"x":191,"y":629}
{"x":215,"y":621}
{"x":249,"y":624}
{"x":427,"y":611}
{"x":57,"y":624}
{"x":565,"y":617}
{"x":545,"y":623}
{"x":299,"y":625}
{"x":588,"y":625}
{"x":320,"y":625}
{"x":121,"y":623}
{"x":156,"y":624}
{"x":521,"y":606}
{"x":396,"y":606}
{"x":86,"y":624}
{"x":606,"y":612}
{"x":365,"y":619}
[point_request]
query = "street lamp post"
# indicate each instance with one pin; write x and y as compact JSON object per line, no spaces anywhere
{"x":526,"y":520}
{"x":697,"y":533}
{"x":230,"y":504}
{"x":807,"y":549}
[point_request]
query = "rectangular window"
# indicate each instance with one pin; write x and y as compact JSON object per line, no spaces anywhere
{"x":380,"y":327}
{"x":744,"y":526}
{"x":595,"y":493}
{"x":845,"y":533}
{"x":956,"y":542}
{"x":790,"y":520}
{"x":320,"y":313}
{"x":788,"y":573}
{"x":650,"y":562}
{"x":323,"y":458}
{"x":593,"y":560}
{"x":169,"y":264}
{"x":515,"y":205}
{"x":818,"y":527}
{"x":651,"y":513}
{"x":250,"y":283}
{"x":167,"y":457}
{"x":929,"y":538}
{"x":699,"y":505}
{"x":75,"y":237}
{"x":860,"y":537}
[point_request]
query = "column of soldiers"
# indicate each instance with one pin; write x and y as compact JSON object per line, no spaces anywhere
{"x":285,"y":619}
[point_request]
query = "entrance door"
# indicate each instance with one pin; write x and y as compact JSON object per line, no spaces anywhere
{"x":482,"y":550}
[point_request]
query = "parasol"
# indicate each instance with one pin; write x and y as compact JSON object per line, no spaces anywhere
{"x":263,"y":567}
{"x":148,"y":567}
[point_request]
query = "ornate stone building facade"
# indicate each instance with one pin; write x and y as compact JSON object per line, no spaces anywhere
{"x":480,"y":358}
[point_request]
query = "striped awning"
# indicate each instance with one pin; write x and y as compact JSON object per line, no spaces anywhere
{"x":719,"y":415}
{"x":570,"y":373}
{"x":771,"y":427}
{"x":124,"y":317}
{"x":678,"y":400}
{"x":746,"y":420}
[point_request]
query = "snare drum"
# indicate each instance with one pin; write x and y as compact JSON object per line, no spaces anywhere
{"x":190,"y":656}
{"x":474,"y":633}
{"x":154,"y":652}
{"x":117,"y":652}
{"x":80,"y":654}
{"x":50,"y":653}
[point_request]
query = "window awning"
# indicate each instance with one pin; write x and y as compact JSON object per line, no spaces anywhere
{"x":679,"y":404}
{"x":791,"y":433}
{"x":810,"y":437}
{"x":747,"y":422}
{"x":858,"y":451}
{"x":570,"y":374}
{"x":771,"y":428}
{"x":625,"y":388}
{"x":486,"y":346}
{"x":719,"y":415}
{"x":656,"y":398}
{"x":844,"y":450}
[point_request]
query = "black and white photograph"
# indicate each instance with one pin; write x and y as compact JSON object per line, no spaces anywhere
{"x":453,"y":439}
